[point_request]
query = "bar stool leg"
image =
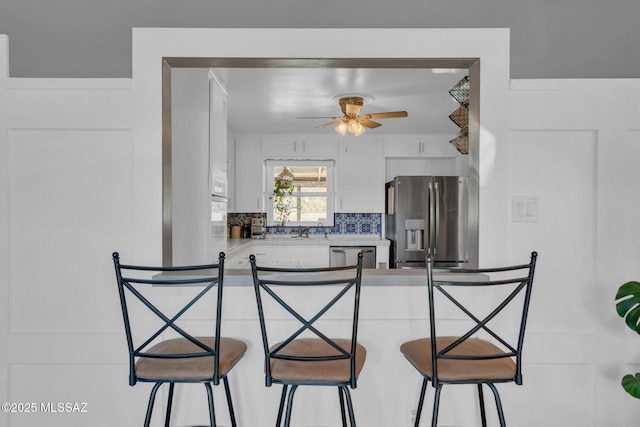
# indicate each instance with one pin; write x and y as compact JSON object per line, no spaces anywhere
{"x":352,"y":417}
{"x":436,"y":406}
{"x":342,"y":411}
{"x":152,"y":399}
{"x":423,"y":391}
{"x":281,"y":408}
{"x":493,"y":388}
{"x":167,"y":417}
{"x":287,"y":418}
{"x":227,"y":391}
{"x":483,"y":414}
{"x":212,"y":412}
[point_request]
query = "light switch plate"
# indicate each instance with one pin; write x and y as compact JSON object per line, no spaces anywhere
{"x":524,"y":209}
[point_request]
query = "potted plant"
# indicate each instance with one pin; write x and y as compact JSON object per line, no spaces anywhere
{"x":628,"y":307}
{"x":282,"y":188}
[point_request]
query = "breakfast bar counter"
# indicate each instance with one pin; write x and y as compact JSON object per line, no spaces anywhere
{"x":393,"y":310}
{"x":370,"y":277}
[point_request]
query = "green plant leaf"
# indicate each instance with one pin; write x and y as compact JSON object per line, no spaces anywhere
{"x":631,"y":383}
{"x":628,"y":304}
{"x":282,"y":189}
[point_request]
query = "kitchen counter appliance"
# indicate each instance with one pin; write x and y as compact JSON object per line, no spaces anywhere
{"x":346,"y":255}
{"x":427,"y":215}
{"x":258,"y":230}
{"x":219,"y":231}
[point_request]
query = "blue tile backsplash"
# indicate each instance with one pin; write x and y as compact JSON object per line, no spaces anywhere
{"x":346,"y":224}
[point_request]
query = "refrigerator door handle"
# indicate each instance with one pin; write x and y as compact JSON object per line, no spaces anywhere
{"x":427,"y":236}
{"x":431,"y":229}
{"x":436,"y":219}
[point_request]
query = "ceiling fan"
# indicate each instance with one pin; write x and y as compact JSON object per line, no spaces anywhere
{"x":351,"y":121}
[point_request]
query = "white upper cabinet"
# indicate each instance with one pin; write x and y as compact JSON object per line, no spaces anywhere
{"x":248,"y":176}
{"x":295,"y":147}
{"x":403,"y":146}
{"x":285,"y":147}
{"x":319,"y":147}
{"x":362,"y":165}
{"x":218,"y":138}
{"x":419,"y":146}
{"x":190,"y":166}
{"x":423,"y":155}
{"x":360,"y":175}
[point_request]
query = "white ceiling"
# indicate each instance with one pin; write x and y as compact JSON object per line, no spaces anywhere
{"x":269,"y":100}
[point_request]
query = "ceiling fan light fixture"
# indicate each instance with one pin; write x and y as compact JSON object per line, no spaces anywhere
{"x":353,"y":126}
{"x":352,"y":121}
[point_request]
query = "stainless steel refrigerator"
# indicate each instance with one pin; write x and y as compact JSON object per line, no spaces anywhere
{"x":427,"y":215}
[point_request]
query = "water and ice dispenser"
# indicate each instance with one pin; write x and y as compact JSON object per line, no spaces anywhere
{"x":414,"y":230}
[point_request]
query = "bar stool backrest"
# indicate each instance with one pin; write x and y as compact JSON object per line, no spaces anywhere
{"x":291,"y":291}
{"x":183,"y":290}
{"x":480,"y":299}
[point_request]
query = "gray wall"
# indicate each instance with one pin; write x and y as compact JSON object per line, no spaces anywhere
{"x":549,"y":39}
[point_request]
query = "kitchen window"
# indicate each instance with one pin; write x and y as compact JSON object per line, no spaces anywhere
{"x":309,"y":198}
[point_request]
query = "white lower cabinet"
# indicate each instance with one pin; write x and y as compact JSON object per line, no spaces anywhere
{"x":239,"y":259}
{"x":292,"y":257}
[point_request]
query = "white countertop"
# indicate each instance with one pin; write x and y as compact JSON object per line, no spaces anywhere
{"x":237,"y":244}
{"x":371,"y":277}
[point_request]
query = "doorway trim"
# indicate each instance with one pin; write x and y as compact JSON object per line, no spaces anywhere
{"x":484,"y":51}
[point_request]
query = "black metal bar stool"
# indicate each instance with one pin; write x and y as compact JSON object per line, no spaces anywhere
{"x":306,"y":356}
{"x":466,"y":358}
{"x":172,"y":354}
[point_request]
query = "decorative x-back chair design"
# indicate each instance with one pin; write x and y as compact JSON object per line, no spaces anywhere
{"x":466,"y":358}
{"x":178,"y":357}
{"x":306,"y":356}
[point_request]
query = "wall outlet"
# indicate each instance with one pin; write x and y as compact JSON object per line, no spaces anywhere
{"x":412,"y":412}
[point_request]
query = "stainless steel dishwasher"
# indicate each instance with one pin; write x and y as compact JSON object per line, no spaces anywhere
{"x":345,"y":255}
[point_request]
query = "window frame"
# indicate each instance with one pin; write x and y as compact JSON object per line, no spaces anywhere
{"x":330,"y":164}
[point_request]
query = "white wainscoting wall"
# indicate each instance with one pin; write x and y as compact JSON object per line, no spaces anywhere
{"x":81,"y":177}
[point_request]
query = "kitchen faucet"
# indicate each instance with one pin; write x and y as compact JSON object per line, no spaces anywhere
{"x":302,"y":231}
{"x":323,"y":229}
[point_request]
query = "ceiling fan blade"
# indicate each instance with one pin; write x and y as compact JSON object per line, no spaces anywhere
{"x":319,"y":117}
{"x":368,"y":123}
{"x":387,"y":115}
{"x":335,"y":122}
